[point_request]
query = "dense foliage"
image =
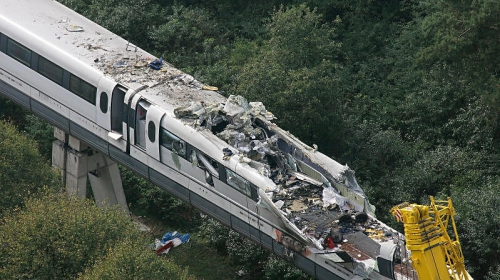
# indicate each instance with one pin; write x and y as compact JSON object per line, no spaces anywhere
{"x":147,"y":199}
{"x":59,"y":238}
{"x":406,"y":92}
{"x":23,"y":171}
{"x":130,"y":259}
{"x":45,"y":235}
{"x":247,"y":256}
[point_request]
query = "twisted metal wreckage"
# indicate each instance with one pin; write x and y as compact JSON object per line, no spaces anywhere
{"x":304,"y":198}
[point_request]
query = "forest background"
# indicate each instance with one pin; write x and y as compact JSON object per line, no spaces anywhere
{"x":407,"y":93}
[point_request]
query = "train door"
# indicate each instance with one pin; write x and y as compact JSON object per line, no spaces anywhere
{"x":103,"y":103}
{"x":141,"y":112}
{"x":117,"y":109}
{"x":118,"y":116}
{"x":144,"y":133}
{"x":132,"y":116}
{"x":138,"y":111}
{"x":144,"y":129}
{"x":128,"y":115}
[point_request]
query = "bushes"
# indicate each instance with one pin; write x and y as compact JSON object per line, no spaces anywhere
{"x":150,"y":200}
{"x":247,"y":255}
{"x":56,"y":237}
{"x":23,"y":171}
{"x":60,"y":238}
{"x":131,"y":260}
{"x":276,"y":268}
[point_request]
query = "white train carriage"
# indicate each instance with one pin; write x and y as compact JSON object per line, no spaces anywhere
{"x":99,"y":88}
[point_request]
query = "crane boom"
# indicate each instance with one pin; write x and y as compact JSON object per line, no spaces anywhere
{"x":434,"y":254}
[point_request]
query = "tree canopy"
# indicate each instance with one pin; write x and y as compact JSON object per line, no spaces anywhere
{"x":59,"y":238}
{"x":23,"y":171}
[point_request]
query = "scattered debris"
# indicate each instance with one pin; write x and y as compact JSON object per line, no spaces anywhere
{"x":227,"y":153}
{"x":169,"y":240}
{"x":210,"y":88}
{"x":305,"y":194}
{"x":74,"y":28}
{"x":156,"y":64}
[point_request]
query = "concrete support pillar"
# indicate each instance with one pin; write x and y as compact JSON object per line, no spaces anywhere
{"x":77,"y":162}
{"x":107,"y":184}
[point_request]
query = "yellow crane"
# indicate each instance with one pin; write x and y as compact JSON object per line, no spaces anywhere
{"x":434,"y":254}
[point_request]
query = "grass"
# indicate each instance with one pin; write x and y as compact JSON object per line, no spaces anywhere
{"x":203,"y":260}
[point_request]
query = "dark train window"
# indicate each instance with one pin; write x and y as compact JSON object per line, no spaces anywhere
{"x":103,"y":103}
{"x":172,"y":142}
{"x":255,"y":193}
{"x":151,"y":131}
{"x":19,"y":52}
{"x":50,"y":70}
{"x":82,"y":89}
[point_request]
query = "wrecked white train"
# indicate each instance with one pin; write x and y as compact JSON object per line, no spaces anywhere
{"x":223,"y":156}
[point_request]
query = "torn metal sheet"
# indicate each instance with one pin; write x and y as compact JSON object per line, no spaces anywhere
{"x":317,"y":199}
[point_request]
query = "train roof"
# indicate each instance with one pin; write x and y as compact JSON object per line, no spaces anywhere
{"x":118,"y":59}
{"x":108,"y":53}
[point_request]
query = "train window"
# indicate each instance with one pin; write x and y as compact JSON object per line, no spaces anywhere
{"x":238,"y":182}
{"x":172,"y":142}
{"x":151,"y":131}
{"x":82,"y":89}
{"x":19,"y":52}
{"x":103,"y":102}
{"x":209,"y":165}
{"x":255,"y":193}
{"x":50,"y":70}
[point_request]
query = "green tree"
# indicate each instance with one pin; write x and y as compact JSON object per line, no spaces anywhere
{"x":247,"y":255}
{"x":294,"y":75}
{"x":454,"y":46}
{"x":130,"y":259}
{"x":189,"y":37}
{"x":478,"y":226}
{"x":11,"y":112}
{"x":131,"y":19}
{"x":42,"y":132}
{"x":55,"y":237}
{"x":23,"y":171}
{"x":276,"y":269}
{"x":457,"y":31}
